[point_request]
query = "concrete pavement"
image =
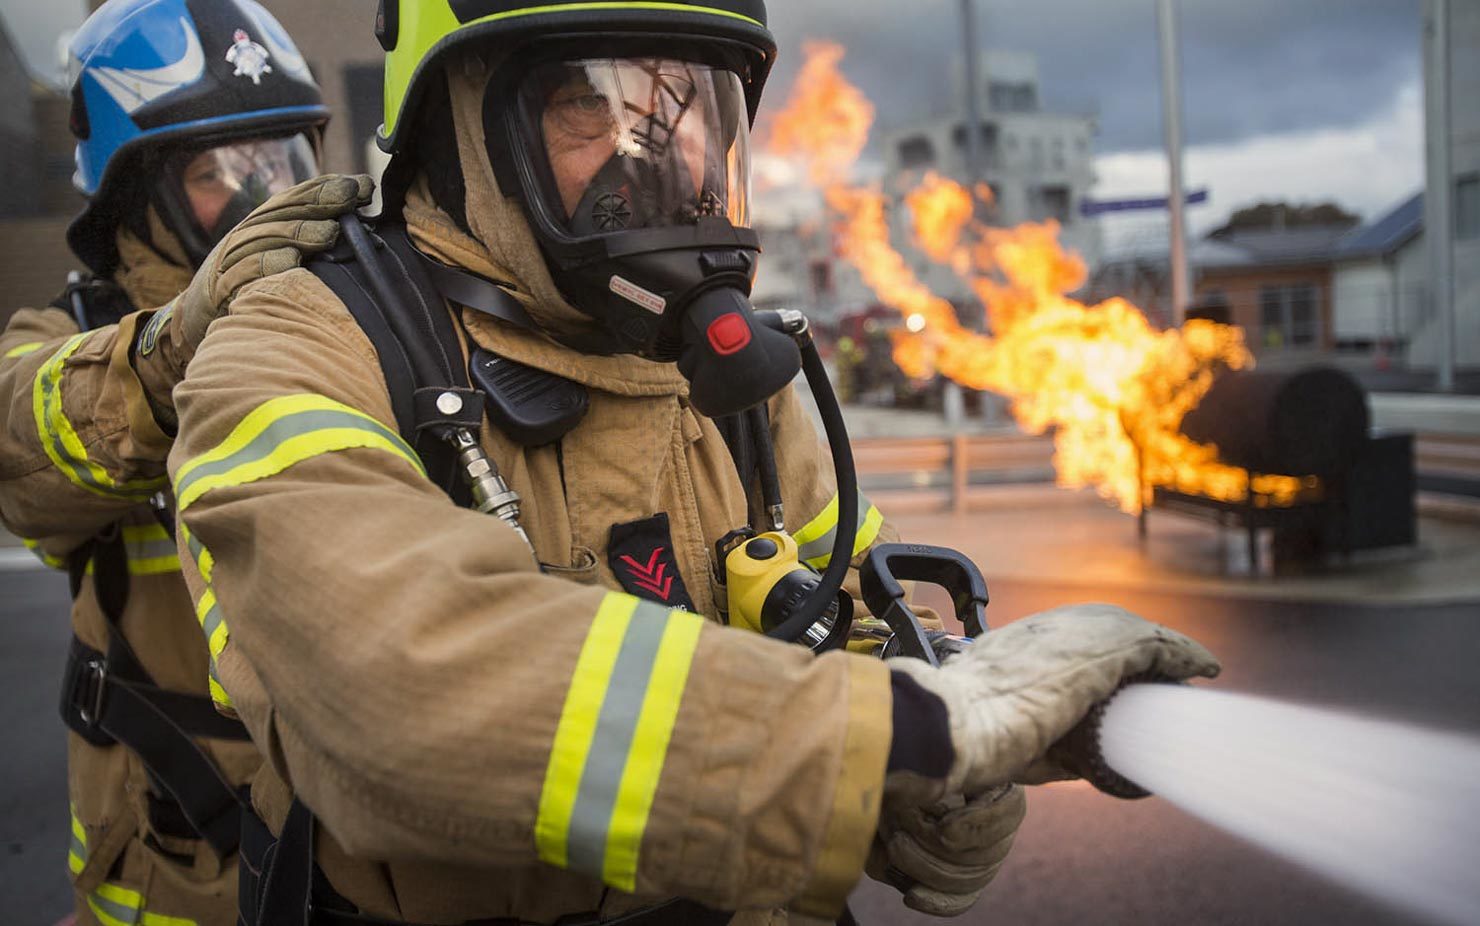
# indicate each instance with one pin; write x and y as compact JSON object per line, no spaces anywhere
{"x":1069,"y":538}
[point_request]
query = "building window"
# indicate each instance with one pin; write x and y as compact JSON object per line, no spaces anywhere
{"x":820,"y":272}
{"x":1058,"y":154}
{"x":1467,"y":207}
{"x":1052,"y":202}
{"x":988,"y":139}
{"x":916,"y":152}
{"x":1290,"y":316}
{"x":1012,"y":98}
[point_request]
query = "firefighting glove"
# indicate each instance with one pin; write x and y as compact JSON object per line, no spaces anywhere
{"x":278,"y":236}
{"x":942,"y":857}
{"x":1018,"y":690}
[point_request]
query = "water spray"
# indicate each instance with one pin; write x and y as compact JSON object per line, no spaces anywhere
{"x":1385,"y":808}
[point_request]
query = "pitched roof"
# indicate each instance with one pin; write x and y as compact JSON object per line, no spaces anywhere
{"x":1286,"y":245}
{"x":1386,"y":234}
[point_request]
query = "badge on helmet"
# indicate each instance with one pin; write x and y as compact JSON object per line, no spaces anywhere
{"x":152,"y":78}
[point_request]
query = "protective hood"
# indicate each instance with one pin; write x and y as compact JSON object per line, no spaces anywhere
{"x":503,"y":249}
{"x":497,"y":221}
{"x":153,"y":272}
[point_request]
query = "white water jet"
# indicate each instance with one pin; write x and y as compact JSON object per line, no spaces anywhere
{"x":1385,"y":808}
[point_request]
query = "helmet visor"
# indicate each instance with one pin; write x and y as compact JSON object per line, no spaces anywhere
{"x":216,"y":188}
{"x":634,"y":143}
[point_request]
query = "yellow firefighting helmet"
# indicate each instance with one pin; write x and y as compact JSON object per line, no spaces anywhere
{"x":418,"y":34}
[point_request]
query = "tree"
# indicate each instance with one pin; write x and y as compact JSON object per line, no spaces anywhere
{"x":1282,"y":215}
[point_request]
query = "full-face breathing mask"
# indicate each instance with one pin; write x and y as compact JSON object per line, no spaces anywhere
{"x":635,"y":175}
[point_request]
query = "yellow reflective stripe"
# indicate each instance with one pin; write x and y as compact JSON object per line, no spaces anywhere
{"x":820,"y":525}
{"x":612,"y":741}
{"x":210,"y":623}
{"x":650,"y":749}
{"x":869,"y":532}
{"x":154,"y":565}
{"x":578,"y":726}
{"x":116,"y":905}
{"x":208,"y":612}
{"x":218,"y":694}
{"x":282,"y":433}
{"x":151,"y":551}
{"x":61,"y":442}
{"x":151,"y":566}
{"x":144,"y":533}
{"x":21,"y":350}
{"x":616,"y":5}
{"x":815,"y":540}
{"x":204,"y":562}
{"x":54,"y":562}
{"x":77,"y":851}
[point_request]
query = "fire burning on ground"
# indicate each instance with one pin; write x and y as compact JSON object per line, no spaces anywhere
{"x":1112,"y":387}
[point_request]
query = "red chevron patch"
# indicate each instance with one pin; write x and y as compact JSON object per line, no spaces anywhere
{"x":642,"y":557}
{"x":650,"y":577}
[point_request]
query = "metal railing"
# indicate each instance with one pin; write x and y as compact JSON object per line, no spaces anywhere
{"x":958,"y":463}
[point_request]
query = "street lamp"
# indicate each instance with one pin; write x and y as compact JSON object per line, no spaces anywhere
{"x":1171,"y":98}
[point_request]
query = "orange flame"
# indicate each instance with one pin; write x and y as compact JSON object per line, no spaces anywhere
{"x":1112,"y":387}
{"x":827,"y":120}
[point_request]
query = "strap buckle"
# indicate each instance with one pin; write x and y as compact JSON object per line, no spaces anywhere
{"x":92,"y":686}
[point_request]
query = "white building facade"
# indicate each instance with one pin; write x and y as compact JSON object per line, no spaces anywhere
{"x":1039,"y":164}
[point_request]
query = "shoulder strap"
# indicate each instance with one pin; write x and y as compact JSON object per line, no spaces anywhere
{"x":92,"y":302}
{"x":416,"y":369}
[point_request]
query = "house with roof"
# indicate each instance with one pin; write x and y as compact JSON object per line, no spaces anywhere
{"x":1275,"y":283}
{"x":1383,"y":304}
{"x":1380,"y":283}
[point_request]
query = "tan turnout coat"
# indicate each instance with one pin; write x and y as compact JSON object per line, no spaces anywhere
{"x":80,"y":451}
{"x":483,"y":732}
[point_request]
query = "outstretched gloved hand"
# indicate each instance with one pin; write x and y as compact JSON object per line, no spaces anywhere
{"x":942,"y":857}
{"x":1020,"y":689}
{"x":278,"y":236}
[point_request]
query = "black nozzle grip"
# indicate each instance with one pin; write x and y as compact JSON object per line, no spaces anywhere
{"x":732,"y":362}
{"x":890,"y":564}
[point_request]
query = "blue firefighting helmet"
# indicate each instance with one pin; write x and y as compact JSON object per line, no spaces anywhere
{"x":154,"y":80}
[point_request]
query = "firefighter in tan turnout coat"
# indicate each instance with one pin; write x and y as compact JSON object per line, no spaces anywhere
{"x":462,"y":725}
{"x":82,"y":452}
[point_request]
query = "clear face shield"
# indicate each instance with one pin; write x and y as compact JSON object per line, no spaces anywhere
{"x":206,"y":193}
{"x":637,"y":143}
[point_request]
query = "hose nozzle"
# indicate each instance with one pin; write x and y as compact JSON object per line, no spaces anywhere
{"x":1079,"y":751}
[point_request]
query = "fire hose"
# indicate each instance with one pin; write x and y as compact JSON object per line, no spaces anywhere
{"x":1388,"y":809}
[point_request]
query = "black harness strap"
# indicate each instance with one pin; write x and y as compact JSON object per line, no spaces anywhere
{"x":279,"y":885}
{"x":411,"y":365}
{"x":110,"y":698}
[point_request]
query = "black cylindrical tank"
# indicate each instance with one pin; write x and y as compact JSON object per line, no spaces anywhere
{"x":1302,"y":422}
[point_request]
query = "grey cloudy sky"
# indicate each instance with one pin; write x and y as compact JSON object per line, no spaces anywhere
{"x":1277,"y":92}
{"x":1251,"y":67}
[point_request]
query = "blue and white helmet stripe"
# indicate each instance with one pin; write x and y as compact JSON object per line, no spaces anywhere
{"x":151,"y":75}
{"x":132,"y":88}
{"x":131,"y":54}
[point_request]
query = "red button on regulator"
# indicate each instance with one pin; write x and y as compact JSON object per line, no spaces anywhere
{"x":728,"y":334}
